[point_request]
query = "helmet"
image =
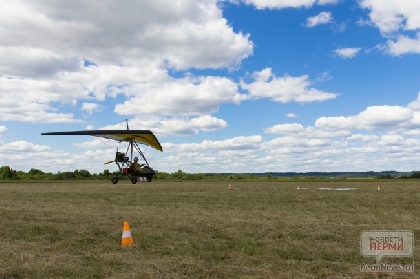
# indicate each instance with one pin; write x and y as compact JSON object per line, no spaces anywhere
{"x":136,"y":159}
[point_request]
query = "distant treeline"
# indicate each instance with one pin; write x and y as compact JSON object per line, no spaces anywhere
{"x":7,"y":173}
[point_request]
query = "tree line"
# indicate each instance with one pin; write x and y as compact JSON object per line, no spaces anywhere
{"x":7,"y":173}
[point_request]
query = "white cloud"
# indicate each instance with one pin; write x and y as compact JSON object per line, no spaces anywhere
{"x":364,"y":138}
{"x":392,"y":16}
{"x":208,"y":123}
{"x":295,"y":145}
{"x":404,"y":45}
{"x":348,"y":52}
{"x":291,"y":115}
{"x":23,"y":155}
{"x":327,"y":145}
{"x":181,"y":125}
{"x":383,"y":116}
{"x":325,"y":2}
{"x":321,"y":18}
{"x":20,"y":146}
{"x":129,"y":49}
{"x":27,"y":61}
{"x":38,"y":96}
{"x":285,"y":129}
{"x":236,"y":143}
{"x":3,"y":129}
{"x":186,"y":96}
{"x":299,"y":131}
{"x":281,"y":4}
{"x":90,"y":107}
{"x":373,"y":118}
{"x":415,"y":105}
{"x":392,"y":140}
{"x":114,"y":33}
{"x":187,"y":126}
{"x":93,"y":143}
{"x":284,"y":89}
{"x":14,"y":107}
{"x":171,"y":41}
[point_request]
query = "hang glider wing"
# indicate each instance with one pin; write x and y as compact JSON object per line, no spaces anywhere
{"x":141,"y":136}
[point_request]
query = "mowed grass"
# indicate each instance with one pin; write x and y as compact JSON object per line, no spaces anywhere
{"x":194,"y":229}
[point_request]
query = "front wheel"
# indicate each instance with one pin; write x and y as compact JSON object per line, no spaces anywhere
{"x":114,"y":180}
{"x":134,"y":180}
{"x":149,"y":179}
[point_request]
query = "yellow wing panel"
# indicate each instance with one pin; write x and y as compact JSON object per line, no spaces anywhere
{"x":141,"y":136}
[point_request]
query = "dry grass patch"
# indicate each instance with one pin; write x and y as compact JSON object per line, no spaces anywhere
{"x":198,"y":229}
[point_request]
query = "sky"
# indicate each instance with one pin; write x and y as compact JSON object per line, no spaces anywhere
{"x":226,"y":86}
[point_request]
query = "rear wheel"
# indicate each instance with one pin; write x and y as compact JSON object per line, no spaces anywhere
{"x":114,"y":180}
{"x":134,"y":180}
{"x":149,"y":179}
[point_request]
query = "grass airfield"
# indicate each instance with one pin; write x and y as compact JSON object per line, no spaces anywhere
{"x":201,"y":229}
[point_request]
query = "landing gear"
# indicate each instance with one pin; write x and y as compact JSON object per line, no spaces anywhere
{"x":133,"y":180}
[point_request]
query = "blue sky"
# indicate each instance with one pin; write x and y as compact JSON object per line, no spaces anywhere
{"x":226,"y":86}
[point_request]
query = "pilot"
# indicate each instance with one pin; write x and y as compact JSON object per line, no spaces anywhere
{"x":135,"y":166}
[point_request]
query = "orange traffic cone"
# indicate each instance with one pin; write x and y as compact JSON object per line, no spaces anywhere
{"x":127,"y":240}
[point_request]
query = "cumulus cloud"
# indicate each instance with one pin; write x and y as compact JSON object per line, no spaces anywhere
{"x":23,"y":155}
{"x":373,"y":118}
{"x":174,"y":125}
{"x":364,"y":138}
{"x":404,"y":45}
{"x":208,"y":123}
{"x":307,"y":148}
{"x":93,"y":143}
{"x":393,"y":140}
{"x":114,"y":50}
{"x":23,"y":146}
{"x":348,"y":52}
{"x":325,"y":2}
{"x":299,"y":131}
{"x":389,"y":140}
{"x":27,"y":61}
{"x":116,"y":34}
{"x":391,"y":16}
{"x":321,"y":18}
{"x":172,"y":40}
{"x":186,"y":96}
{"x":285,"y":129}
{"x":284,"y":89}
{"x":394,"y":18}
{"x":90,"y":107}
{"x":377,"y":138}
{"x":281,"y":4}
{"x":236,"y":143}
{"x":415,"y":105}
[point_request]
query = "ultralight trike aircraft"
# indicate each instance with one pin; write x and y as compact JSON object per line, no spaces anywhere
{"x":127,"y":166}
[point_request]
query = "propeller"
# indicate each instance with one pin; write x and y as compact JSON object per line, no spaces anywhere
{"x":109,"y":162}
